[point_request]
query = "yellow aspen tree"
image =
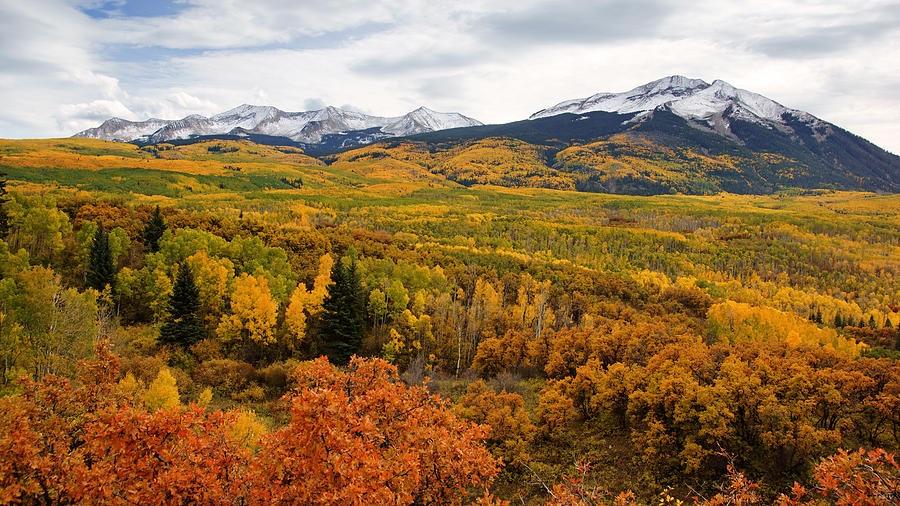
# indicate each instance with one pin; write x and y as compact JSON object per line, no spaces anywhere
{"x":205,"y":397}
{"x":543,"y":316}
{"x":397,"y":297}
{"x":295,"y":315}
{"x":392,"y":349}
{"x":418,"y":302}
{"x":516,"y":312}
{"x":212,"y":276}
{"x":377,"y":306}
{"x":160,"y":289}
{"x":129,"y":386}
{"x":254,"y":312}
{"x":320,"y":285}
{"x":484,"y":311}
{"x":162,"y":392}
{"x":247,"y":429}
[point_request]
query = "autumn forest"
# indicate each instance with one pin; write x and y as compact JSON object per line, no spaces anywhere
{"x":224,"y":322}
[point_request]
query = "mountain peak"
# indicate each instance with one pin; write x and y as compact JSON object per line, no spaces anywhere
{"x":692,"y":99}
{"x":674,"y":82}
{"x":247,"y":110}
{"x":723,"y":87}
{"x":308,"y":127}
{"x":646,"y":97}
{"x":423,"y":119}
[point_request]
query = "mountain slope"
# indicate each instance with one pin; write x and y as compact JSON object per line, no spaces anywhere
{"x":673,"y":135}
{"x":772,"y":146}
{"x":692,"y":99}
{"x":307,"y":127}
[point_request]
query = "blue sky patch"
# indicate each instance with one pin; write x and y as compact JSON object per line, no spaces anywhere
{"x":136,"y":8}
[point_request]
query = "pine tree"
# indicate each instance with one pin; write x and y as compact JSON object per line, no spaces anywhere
{"x":4,"y":218}
{"x":818,"y":317}
{"x":153,"y":231}
{"x":183,"y":325}
{"x":838,"y":322}
{"x":343,"y":313}
{"x":101,"y":271}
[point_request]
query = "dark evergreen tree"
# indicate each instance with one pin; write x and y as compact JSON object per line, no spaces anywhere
{"x":4,"y":218}
{"x":183,"y":326}
{"x":872,"y":323}
{"x":816,"y":317}
{"x":100,"y":269}
{"x":343,"y":315}
{"x":838,"y":322}
{"x":153,"y":231}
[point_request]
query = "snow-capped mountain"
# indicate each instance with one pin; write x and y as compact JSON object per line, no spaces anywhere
{"x":122,"y":130}
{"x":425,"y":120}
{"x":714,"y":104}
{"x":307,"y":127}
{"x":767,"y":145}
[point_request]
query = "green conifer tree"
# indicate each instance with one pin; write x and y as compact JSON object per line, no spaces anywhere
{"x":100,"y":270}
{"x":4,"y":218}
{"x":183,"y":325}
{"x":343,"y":315}
{"x":153,"y":231}
{"x":815,"y":317}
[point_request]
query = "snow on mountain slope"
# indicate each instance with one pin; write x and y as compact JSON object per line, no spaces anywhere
{"x":425,"y":120}
{"x":643,"y":98}
{"x":122,"y":130}
{"x":307,"y":127}
{"x":245,"y":116}
{"x":692,"y":99}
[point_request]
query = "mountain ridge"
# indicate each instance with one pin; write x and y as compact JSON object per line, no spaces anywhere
{"x":675,"y":134}
{"x":714,"y":104}
{"x":306,"y":127}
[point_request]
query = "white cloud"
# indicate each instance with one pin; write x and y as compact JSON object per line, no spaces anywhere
{"x":184,"y":100}
{"x":82,"y":116}
{"x":236,"y":23}
{"x":105,"y":85}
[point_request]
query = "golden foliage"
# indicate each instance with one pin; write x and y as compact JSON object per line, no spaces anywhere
{"x":735,"y":322}
{"x":504,"y":412}
{"x":253,"y":312}
{"x":205,"y":397}
{"x":162,"y":393}
{"x":247,"y":429}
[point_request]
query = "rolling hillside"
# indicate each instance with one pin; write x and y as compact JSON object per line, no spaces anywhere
{"x":672,"y":135}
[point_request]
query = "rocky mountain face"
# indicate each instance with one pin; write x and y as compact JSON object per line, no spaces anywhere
{"x":715,"y":105}
{"x":307,"y":127}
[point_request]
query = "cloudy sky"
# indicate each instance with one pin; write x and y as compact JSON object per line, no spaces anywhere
{"x":66,"y":65}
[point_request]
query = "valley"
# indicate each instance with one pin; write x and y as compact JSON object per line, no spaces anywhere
{"x":665,"y":335}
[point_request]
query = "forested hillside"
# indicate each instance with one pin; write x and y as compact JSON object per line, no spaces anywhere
{"x":163,"y":310}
